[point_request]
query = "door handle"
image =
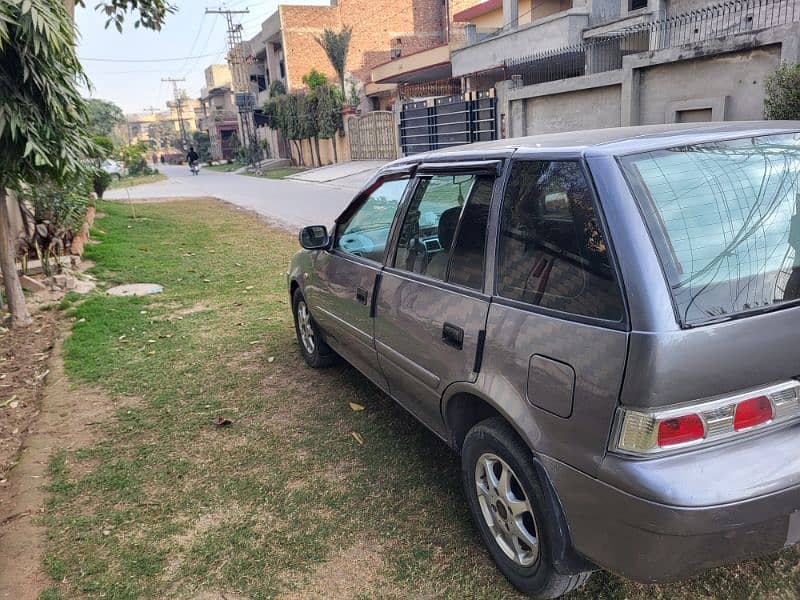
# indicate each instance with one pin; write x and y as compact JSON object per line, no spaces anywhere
{"x":453,"y":335}
{"x":362,"y":295}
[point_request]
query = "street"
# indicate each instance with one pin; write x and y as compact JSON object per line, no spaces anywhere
{"x":288,"y":203}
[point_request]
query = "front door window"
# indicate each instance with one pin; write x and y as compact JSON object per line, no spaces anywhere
{"x":366,"y":230}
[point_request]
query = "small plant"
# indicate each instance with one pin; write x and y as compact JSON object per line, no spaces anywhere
{"x":276,"y":88}
{"x":134,"y":159}
{"x":100,"y":182}
{"x":782,"y":93}
{"x":354,"y":97}
{"x":314,"y":79}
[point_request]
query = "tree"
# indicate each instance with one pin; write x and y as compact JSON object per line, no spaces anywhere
{"x":336,"y":46}
{"x":104,"y":116}
{"x":329,"y":115}
{"x":152,"y":13}
{"x":43,"y":119}
{"x":314,"y":79}
{"x":782,"y":93}
{"x":202,"y":145}
{"x":164,"y":133}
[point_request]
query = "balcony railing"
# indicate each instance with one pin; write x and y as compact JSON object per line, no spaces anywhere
{"x":606,"y":54}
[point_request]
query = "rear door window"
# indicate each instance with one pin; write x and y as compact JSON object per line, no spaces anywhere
{"x":725,"y":217}
{"x":552,"y":252}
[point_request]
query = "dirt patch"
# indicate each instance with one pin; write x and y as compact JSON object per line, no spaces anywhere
{"x":68,"y":418}
{"x":178,"y":315}
{"x":23,"y":370}
{"x":350,"y":572}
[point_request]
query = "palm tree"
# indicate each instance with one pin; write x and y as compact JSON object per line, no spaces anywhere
{"x":336,"y":46}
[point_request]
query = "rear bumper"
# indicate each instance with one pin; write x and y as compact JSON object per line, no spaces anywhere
{"x":652,"y":542}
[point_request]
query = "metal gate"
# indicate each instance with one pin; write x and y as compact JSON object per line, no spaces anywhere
{"x":372,"y":136}
{"x":448,"y":121}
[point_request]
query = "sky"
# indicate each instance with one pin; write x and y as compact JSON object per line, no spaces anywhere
{"x":127,"y":68}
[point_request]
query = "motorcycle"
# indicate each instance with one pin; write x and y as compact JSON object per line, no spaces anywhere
{"x":194,"y":168}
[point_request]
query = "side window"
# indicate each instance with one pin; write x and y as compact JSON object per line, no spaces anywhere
{"x":551,"y":251}
{"x":444,"y":230}
{"x":366,"y":230}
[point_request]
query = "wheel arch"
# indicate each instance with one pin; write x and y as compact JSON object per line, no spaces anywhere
{"x":463,"y":407}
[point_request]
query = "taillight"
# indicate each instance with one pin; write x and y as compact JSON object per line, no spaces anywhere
{"x":680,"y":430}
{"x":652,"y":432}
{"x":752,"y":412}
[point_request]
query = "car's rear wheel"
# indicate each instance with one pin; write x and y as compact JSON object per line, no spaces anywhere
{"x":511,"y":510}
{"x":313,"y":348}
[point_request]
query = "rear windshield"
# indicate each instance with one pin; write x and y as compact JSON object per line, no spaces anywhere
{"x":725,"y":217}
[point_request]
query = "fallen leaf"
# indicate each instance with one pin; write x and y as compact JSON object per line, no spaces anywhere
{"x":122,"y":337}
{"x":249,"y":287}
{"x":238,"y":264}
{"x":151,"y":341}
{"x":357,"y":438}
{"x":9,"y":401}
{"x":142,"y":312}
{"x":212,"y":251}
{"x":151,"y":353}
{"x":14,"y":404}
{"x":82,"y":320}
{"x":271,"y":359}
{"x":255,"y":342}
{"x":106,"y":532}
{"x":222,"y":422}
{"x":206,"y":281}
{"x":356,"y":407}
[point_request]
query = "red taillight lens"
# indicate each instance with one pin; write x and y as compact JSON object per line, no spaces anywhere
{"x":752,"y":412}
{"x":680,"y":430}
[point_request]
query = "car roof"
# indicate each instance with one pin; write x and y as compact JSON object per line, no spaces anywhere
{"x":613,"y":141}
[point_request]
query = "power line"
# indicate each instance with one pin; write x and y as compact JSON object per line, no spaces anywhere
{"x":144,"y":60}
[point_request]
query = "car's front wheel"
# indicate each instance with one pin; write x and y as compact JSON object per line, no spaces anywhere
{"x":313,"y":348}
{"x":511,"y":510}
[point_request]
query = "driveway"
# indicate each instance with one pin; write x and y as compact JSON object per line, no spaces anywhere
{"x":290,"y":203}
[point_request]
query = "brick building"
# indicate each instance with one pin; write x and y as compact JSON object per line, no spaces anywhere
{"x":383,"y":31}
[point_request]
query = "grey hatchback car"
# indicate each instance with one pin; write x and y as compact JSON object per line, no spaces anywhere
{"x":604,"y":324}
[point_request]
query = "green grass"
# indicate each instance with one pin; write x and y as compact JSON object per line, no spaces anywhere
{"x":279,"y":173}
{"x":224,"y":167}
{"x":284,"y":500}
{"x":136,"y":180}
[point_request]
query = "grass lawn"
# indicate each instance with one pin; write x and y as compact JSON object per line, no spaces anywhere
{"x":280,"y":173}
{"x":223,"y":168}
{"x":283,"y":502}
{"x":136,"y":180}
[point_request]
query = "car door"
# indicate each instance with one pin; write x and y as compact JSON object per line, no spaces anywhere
{"x":344,"y":278}
{"x":556,"y":336}
{"x":430,"y":313}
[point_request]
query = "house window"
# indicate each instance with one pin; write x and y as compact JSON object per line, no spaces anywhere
{"x":636,"y":4}
{"x":283,"y":70}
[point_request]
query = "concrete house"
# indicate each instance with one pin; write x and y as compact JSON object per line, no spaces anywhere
{"x":578,"y":64}
{"x":218,"y":113}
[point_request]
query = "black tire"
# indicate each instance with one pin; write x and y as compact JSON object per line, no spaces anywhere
{"x":539,"y":579}
{"x":321,"y":355}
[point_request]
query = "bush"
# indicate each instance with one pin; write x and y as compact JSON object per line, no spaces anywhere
{"x":134,"y":159}
{"x":782,"y":93}
{"x":100,"y":182}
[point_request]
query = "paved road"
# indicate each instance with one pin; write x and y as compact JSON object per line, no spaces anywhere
{"x":290,"y":204}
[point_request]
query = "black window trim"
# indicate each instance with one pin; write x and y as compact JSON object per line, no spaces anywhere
{"x":621,"y":325}
{"x":499,"y":170}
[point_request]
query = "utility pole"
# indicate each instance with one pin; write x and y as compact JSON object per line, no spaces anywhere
{"x":178,"y":94}
{"x":245,"y":102}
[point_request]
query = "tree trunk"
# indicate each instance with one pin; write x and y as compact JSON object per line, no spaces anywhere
{"x":299,"y":147}
{"x":16,"y":299}
{"x":319,"y":156}
{"x":333,"y":143}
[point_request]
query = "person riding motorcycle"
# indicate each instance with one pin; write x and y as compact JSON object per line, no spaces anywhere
{"x":192,"y":157}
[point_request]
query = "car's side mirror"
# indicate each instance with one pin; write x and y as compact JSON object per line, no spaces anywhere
{"x":314,"y":237}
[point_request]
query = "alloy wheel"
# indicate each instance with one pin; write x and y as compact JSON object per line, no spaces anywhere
{"x":305,"y":326}
{"x":506,"y":510}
